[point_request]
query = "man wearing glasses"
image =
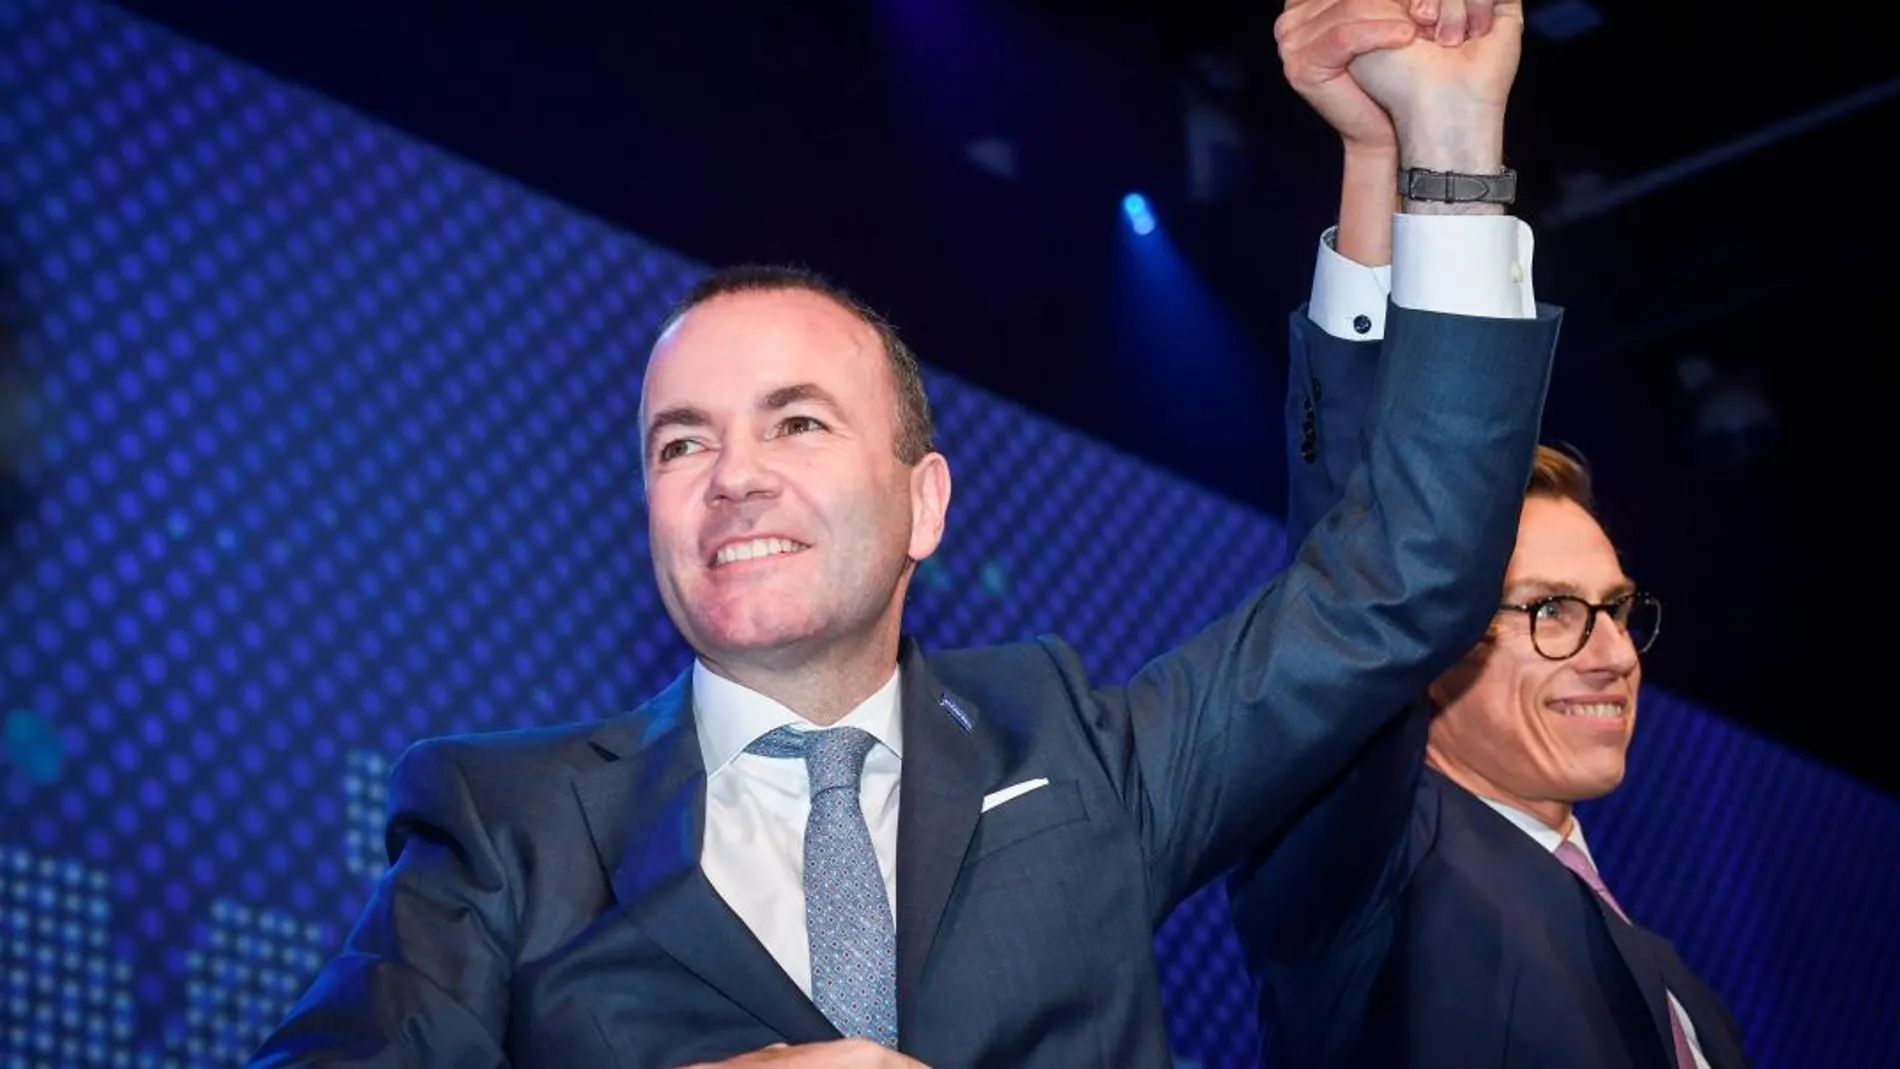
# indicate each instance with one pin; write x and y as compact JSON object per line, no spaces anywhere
{"x":1439,"y":906}
{"x":1466,"y":924}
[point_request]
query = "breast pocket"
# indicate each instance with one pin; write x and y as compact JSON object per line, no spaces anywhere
{"x":1027,"y":815}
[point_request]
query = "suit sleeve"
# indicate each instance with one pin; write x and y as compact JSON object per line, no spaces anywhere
{"x":1328,"y":404}
{"x":1216,"y":746}
{"x":423,"y":977}
{"x":1340,"y":862}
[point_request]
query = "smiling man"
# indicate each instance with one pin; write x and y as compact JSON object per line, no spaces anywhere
{"x":792,"y":484}
{"x":1464,"y":922}
{"x":823,"y":847}
{"x":1539,"y":716}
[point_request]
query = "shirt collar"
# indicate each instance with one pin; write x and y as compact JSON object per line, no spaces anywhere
{"x":1547,"y":837}
{"x":730,"y":716}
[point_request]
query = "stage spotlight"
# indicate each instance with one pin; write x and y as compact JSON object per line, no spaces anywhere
{"x":1140,"y":219}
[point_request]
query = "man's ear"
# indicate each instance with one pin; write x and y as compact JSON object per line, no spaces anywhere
{"x":929,"y":504}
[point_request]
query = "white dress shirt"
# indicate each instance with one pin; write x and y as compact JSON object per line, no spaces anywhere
{"x":1549,"y":838}
{"x":753,"y":852}
{"x":1475,"y":265}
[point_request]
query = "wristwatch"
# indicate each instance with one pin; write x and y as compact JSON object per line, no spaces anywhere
{"x":1451,"y":187}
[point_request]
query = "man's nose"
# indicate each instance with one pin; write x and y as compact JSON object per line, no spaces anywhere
{"x":741,"y":473}
{"x":1610,"y":650}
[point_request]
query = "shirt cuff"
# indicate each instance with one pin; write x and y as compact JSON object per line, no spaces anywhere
{"x":1349,"y":298}
{"x":1472,"y":265}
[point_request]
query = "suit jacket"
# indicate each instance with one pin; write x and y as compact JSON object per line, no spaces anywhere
{"x":1403,"y":923}
{"x":545,"y":905}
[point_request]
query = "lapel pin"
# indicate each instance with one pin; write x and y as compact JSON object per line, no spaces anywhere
{"x":956,"y":711}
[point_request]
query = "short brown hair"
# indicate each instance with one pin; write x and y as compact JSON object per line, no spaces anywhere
{"x":916,"y":434}
{"x":1560,"y":472}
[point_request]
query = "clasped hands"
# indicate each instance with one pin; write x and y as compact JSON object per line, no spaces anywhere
{"x":1388,"y":73}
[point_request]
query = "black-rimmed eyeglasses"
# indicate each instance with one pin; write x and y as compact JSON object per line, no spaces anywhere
{"x":1561,"y":624}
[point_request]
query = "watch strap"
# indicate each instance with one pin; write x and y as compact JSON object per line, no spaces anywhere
{"x":1453,"y":187}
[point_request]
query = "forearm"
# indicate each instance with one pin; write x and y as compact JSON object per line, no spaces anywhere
{"x":1460,"y":259}
{"x":1368,"y":194}
{"x":424,"y":973}
{"x":370,"y":1012}
{"x":1452,"y":135}
{"x":1236,"y":731}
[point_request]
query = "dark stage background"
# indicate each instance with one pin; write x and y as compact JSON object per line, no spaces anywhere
{"x":334,"y":450}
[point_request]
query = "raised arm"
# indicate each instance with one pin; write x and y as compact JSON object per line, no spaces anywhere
{"x":423,"y":978}
{"x":1339,"y":864}
{"x":1220,"y":743}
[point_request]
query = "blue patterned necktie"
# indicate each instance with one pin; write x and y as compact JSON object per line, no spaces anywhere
{"x":847,"y":915}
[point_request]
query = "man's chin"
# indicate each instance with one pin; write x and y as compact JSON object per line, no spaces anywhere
{"x":759,"y":642}
{"x":1588,"y":786}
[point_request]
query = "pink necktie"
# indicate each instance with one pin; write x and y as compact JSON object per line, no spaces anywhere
{"x":1578,"y":862}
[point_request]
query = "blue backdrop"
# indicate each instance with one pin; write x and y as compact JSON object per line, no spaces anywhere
{"x":339,"y":453}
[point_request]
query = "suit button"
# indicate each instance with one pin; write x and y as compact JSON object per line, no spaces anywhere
{"x":1362,"y":324}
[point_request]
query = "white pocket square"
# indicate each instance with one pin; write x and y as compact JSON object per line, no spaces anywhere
{"x":996,"y":798}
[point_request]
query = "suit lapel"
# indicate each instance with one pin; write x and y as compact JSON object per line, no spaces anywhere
{"x":1547,"y":880}
{"x":1643,"y":967}
{"x":645,"y":806}
{"x":949,"y":763}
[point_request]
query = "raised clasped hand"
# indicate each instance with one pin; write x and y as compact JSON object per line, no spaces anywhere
{"x":1366,"y":65}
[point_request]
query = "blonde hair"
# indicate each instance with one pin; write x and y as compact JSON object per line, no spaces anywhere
{"x":1560,"y":473}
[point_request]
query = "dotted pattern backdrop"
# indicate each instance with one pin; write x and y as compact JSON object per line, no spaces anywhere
{"x":336,"y":453}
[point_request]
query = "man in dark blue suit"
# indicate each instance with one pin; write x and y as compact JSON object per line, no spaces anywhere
{"x":824,"y":846}
{"x":1439,"y":907}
